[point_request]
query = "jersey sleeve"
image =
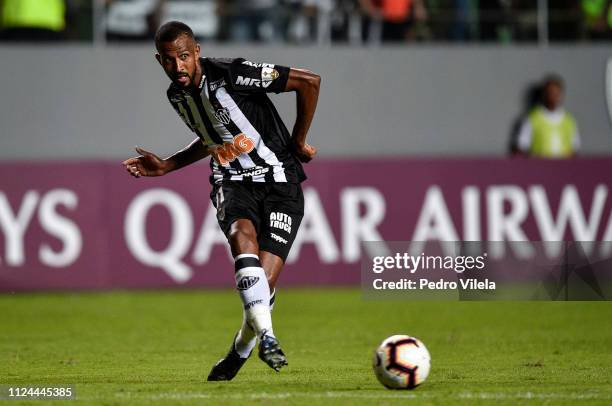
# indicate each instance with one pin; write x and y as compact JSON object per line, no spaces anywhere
{"x":247,"y":76}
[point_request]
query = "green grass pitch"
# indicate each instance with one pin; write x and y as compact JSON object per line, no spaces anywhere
{"x":158,"y":347}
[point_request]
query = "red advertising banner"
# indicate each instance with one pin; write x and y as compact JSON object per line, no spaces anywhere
{"x":84,"y":225}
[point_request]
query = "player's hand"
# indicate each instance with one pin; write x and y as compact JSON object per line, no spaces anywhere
{"x":305,"y":152}
{"x":147,"y":164}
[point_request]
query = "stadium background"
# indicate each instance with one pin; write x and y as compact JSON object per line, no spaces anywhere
{"x":396,"y":123}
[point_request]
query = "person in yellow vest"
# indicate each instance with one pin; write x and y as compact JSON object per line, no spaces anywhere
{"x":549,"y":131}
{"x":37,"y":20}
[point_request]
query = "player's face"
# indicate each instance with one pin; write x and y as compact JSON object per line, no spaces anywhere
{"x":180,"y":60}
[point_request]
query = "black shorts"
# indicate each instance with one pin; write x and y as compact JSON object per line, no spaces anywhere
{"x":276,"y":210}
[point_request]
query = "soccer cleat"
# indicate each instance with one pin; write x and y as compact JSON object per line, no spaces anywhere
{"x":227,"y":368}
{"x":271,"y":353}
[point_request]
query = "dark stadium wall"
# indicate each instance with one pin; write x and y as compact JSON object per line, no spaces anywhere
{"x":81,"y":101}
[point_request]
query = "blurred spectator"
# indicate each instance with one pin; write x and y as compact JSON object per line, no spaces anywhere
{"x":310,"y":21}
{"x":346,"y":21}
{"x":132,"y":19}
{"x":495,"y":20}
{"x":201,"y":15}
{"x":463,"y":14}
{"x":452,"y":19}
{"x":523,"y":20}
{"x":254,"y":20}
{"x":401,"y":19}
{"x":598,"y":19}
{"x":549,"y":131}
{"x":139,"y":19}
{"x":564,"y":20}
{"x":35,"y":20}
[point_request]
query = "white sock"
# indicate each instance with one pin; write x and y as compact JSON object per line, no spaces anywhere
{"x":254,"y":291}
{"x":246,"y":339}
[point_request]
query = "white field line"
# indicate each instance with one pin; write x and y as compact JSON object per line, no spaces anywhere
{"x":364,"y":395}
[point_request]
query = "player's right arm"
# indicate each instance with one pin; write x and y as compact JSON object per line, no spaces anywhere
{"x":149,"y":164}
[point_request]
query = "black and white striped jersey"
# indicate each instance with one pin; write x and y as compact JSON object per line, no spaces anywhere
{"x":234,"y":117}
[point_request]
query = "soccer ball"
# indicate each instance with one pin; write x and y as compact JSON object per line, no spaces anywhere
{"x":401,"y":362}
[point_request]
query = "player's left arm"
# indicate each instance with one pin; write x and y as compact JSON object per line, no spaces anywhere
{"x":306,"y":84}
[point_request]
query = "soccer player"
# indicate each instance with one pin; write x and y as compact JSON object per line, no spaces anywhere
{"x":256,"y":170}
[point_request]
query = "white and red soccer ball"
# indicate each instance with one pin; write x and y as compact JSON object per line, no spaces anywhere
{"x":401,"y":362}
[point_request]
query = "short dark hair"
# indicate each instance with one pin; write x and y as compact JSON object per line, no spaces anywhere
{"x":170,"y":31}
{"x":553,"y":79}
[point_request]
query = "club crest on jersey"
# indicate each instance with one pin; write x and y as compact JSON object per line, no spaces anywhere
{"x":268,"y":74}
{"x":246,"y":282}
{"x":223,"y":115}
